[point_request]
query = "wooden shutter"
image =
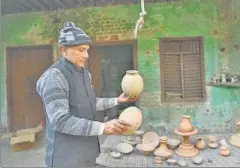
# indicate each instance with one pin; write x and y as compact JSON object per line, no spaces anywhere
{"x":182,"y":69}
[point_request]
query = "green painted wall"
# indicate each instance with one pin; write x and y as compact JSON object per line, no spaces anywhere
{"x":215,"y":20}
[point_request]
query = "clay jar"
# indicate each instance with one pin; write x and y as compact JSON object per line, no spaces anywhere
{"x":133,"y":116}
{"x":132,"y":83}
{"x":186,"y":125}
{"x":200,"y":144}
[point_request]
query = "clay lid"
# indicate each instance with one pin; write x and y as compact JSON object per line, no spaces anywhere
{"x":133,"y":116}
{"x":151,"y":137}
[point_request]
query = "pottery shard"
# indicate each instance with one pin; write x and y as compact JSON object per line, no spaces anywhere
{"x":198,"y":160}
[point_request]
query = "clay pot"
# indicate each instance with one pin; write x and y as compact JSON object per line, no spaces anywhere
{"x":132,"y":83}
{"x":133,"y":116}
{"x":200,"y":144}
{"x":224,"y":151}
{"x":186,"y":125}
{"x":212,"y":142}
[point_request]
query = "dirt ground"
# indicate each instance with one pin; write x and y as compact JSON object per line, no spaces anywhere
{"x":31,"y":158}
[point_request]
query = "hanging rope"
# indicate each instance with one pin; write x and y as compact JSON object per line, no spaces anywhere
{"x":140,"y":21}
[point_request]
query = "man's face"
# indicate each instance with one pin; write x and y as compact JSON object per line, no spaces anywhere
{"x":77,"y":54}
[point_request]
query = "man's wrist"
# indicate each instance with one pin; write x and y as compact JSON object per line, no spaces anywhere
{"x":116,"y":102}
{"x":102,"y":127}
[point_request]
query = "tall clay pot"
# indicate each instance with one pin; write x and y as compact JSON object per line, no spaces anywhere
{"x":186,"y":125}
{"x":132,"y":83}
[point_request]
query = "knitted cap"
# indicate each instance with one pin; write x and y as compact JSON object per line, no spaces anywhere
{"x":71,"y":35}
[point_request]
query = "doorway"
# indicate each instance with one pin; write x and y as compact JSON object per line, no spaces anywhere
{"x":108,"y":63}
{"x":24,"y":66}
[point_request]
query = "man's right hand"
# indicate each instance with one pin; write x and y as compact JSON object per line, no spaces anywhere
{"x":114,"y":127}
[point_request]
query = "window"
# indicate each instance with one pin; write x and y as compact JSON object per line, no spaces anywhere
{"x":182,"y":69}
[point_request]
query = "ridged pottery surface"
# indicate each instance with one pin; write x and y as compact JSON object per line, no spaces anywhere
{"x":132,"y":83}
{"x":133,"y":116}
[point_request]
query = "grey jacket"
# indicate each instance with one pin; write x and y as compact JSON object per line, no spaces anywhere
{"x":70,"y":104}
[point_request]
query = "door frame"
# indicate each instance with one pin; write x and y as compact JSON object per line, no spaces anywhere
{"x":9,"y":77}
{"x":121,"y":42}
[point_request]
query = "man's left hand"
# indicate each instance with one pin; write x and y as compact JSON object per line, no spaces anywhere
{"x":123,"y":98}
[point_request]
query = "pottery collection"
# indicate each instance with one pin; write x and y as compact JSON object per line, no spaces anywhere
{"x":132,"y":83}
{"x":162,"y":147}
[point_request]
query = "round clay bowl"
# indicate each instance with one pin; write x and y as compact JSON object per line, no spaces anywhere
{"x":124,"y":148}
{"x":224,"y":151}
{"x":145,"y":148}
{"x":133,"y":116}
{"x":151,"y":138}
{"x":115,"y":154}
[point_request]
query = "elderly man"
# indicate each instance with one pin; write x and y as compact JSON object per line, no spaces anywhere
{"x":70,"y":104}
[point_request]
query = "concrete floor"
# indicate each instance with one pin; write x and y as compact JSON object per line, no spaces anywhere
{"x":31,"y":158}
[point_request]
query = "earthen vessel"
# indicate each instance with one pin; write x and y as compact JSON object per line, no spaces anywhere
{"x":132,"y":83}
{"x":200,"y":144}
{"x":186,"y":125}
{"x":133,"y":116}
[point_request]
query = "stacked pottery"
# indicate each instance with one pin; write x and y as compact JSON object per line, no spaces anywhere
{"x":163,"y":151}
{"x":133,"y":116}
{"x":132,"y":83}
{"x":186,"y":129}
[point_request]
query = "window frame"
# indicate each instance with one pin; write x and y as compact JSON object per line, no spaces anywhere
{"x":164,"y":98}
